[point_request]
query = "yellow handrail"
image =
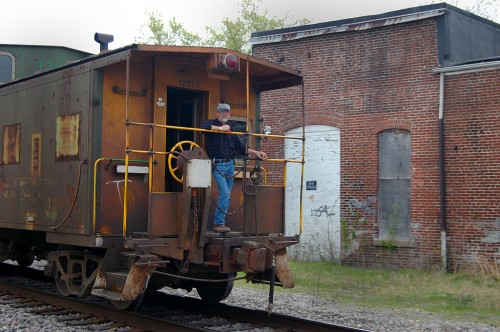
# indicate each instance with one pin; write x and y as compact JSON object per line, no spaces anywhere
{"x":127,"y":146}
{"x":271,"y":160}
{"x":151,"y":153}
{"x":95,"y":195}
{"x":303,"y":156}
{"x":284,"y":161}
{"x":238,"y":133}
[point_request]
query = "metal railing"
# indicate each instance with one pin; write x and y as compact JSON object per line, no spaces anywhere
{"x":151,"y":152}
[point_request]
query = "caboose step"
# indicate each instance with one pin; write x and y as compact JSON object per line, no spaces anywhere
{"x":122,"y":285}
{"x":112,"y":281}
{"x":110,"y":284}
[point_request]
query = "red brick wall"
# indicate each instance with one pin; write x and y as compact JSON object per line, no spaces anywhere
{"x":472,"y":159}
{"x":364,"y":82}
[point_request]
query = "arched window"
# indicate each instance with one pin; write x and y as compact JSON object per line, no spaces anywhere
{"x":394,"y":158}
{"x":6,"y":67}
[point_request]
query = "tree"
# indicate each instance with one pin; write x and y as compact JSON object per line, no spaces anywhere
{"x":485,"y":8}
{"x":234,"y":34}
{"x":174,"y":35}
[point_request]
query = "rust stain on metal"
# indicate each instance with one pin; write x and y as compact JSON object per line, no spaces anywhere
{"x":136,"y":282}
{"x":100,"y":282}
{"x":11,"y":144}
{"x":67,"y":137}
{"x":105,"y":229}
{"x":66,"y":99}
{"x":257,"y":259}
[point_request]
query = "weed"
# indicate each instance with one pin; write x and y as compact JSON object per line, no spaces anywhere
{"x":389,"y":245}
{"x":463,"y":300}
{"x":485,"y":267}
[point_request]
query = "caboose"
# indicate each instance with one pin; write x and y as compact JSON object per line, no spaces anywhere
{"x":103,"y":173}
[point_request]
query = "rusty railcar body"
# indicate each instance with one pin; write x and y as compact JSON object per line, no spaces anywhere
{"x":103,"y":171}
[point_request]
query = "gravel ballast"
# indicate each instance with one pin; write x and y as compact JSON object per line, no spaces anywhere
{"x":299,"y":305}
{"x":287,"y":303}
{"x":311,"y":307}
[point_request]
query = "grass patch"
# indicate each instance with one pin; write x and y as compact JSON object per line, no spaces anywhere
{"x":455,"y":296}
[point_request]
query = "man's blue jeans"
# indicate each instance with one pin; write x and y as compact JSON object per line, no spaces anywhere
{"x":223,"y":174}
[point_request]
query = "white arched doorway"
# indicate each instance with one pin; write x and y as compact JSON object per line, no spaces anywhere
{"x":321,"y":236}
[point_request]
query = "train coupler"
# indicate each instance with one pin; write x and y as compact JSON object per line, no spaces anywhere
{"x":251,"y":257}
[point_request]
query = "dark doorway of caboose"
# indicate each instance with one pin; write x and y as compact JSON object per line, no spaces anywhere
{"x":184,"y":109}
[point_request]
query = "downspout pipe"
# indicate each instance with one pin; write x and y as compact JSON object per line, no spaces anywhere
{"x":442,"y":178}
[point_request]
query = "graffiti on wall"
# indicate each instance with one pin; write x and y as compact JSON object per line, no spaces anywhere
{"x":366,"y":205}
{"x":325,"y":210}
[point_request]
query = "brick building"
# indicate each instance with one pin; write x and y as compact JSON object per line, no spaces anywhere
{"x":402,"y":137}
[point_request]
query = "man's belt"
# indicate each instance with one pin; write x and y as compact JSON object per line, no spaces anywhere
{"x":222,"y":160}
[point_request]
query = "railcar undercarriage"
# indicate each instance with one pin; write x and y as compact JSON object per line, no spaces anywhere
{"x":124,"y":275}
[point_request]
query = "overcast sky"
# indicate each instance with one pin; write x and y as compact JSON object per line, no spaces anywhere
{"x":72,"y":23}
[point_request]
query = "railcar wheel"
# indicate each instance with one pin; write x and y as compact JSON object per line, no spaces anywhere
{"x":214,"y":292}
{"x":62,"y":287}
{"x":179,"y":147}
{"x":75,"y":272}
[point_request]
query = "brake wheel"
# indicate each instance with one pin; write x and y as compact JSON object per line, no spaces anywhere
{"x":173,"y":165}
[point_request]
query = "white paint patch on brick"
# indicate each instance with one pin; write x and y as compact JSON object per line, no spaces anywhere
{"x":321,"y":237}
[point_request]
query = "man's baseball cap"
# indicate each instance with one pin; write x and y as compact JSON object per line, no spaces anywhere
{"x":223,"y":107}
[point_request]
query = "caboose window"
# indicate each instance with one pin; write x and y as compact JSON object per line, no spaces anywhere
{"x":6,"y":67}
{"x":11,"y":144}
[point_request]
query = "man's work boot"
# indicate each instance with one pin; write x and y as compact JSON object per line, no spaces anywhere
{"x":221,"y":229}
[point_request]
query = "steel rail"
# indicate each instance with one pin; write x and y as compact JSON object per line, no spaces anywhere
{"x":133,"y":319}
{"x":149,"y":317}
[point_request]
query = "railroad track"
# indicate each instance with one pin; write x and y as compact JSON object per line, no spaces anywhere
{"x":30,"y":290}
{"x":86,"y":315}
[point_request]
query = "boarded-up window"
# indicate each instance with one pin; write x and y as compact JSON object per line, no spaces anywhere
{"x":394,"y":155}
{"x":67,"y":137}
{"x":11,"y":144}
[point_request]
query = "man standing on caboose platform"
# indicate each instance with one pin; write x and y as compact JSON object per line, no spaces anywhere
{"x":221,"y":149}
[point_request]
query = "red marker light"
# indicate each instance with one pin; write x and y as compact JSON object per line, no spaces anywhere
{"x":230,"y":62}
